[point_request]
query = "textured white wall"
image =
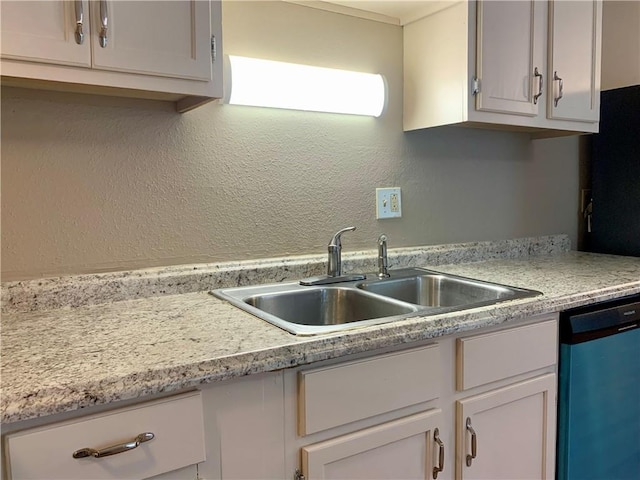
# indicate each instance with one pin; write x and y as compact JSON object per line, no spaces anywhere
{"x":93,"y":183}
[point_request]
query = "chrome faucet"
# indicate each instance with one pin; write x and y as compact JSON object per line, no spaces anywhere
{"x":383,"y":262}
{"x":334,"y":267}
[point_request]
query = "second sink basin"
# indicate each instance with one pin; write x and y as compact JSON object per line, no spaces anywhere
{"x":439,"y":290}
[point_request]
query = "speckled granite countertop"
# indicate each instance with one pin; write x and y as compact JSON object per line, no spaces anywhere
{"x":65,"y":358}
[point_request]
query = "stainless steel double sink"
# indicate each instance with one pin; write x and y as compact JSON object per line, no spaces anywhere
{"x":312,"y":310}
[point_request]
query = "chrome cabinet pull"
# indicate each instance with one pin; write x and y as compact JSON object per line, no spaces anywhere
{"x":79,"y":21}
{"x":536,"y":73}
{"x":440,"y":467}
{"x":474,"y":442}
{"x":104,"y":22}
{"x":475,"y":86}
{"x":115,"y":449}
{"x":560,"y":89}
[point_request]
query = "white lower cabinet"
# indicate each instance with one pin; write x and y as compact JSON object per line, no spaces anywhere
{"x":244,"y":432}
{"x":136,"y":442}
{"x":371,"y":418}
{"x":346,"y":392}
{"x":506,"y":411}
{"x":479,"y":406}
{"x":509,"y":432}
{"x":405,"y":449}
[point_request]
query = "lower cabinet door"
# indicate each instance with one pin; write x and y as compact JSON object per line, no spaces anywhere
{"x":508,"y":433}
{"x":407,"y":448}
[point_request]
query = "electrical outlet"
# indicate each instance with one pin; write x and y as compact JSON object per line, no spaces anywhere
{"x":395,"y":203}
{"x":388,"y":203}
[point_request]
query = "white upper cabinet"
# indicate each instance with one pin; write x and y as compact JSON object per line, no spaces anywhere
{"x":139,"y":39}
{"x":508,"y":72}
{"x":575,"y":30}
{"x":45,"y":31}
{"x":493,"y":63}
{"x":159,"y":49}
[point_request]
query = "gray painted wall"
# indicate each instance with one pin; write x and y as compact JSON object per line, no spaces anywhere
{"x":620,"y":44}
{"x":94,"y":183}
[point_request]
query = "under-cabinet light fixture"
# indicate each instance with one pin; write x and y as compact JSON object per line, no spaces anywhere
{"x":267,"y":83}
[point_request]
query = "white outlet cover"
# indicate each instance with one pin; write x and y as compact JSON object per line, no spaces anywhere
{"x":383,"y":203}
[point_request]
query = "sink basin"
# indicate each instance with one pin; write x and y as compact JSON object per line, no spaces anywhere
{"x":307,"y":310}
{"x":440,"y":290}
{"x":326,"y":306}
{"x":311,"y":310}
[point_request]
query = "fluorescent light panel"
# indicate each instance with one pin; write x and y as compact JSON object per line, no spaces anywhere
{"x":265,"y":83}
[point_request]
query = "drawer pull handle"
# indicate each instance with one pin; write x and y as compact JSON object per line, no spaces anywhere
{"x":474,"y":442}
{"x":440,"y":467}
{"x":123,"y":447}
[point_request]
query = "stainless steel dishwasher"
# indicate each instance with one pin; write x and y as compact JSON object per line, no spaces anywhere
{"x":599,"y":392}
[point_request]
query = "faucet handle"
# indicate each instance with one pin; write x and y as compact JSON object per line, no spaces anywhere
{"x":335,"y":240}
{"x":383,"y":261}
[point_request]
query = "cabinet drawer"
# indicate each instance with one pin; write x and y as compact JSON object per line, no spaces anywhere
{"x":176,"y":422}
{"x":340,"y":394}
{"x":494,"y":356}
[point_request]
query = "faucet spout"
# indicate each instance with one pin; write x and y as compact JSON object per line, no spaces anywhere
{"x":383,"y":261}
{"x":334,"y":268}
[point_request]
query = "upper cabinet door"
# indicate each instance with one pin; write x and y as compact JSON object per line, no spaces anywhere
{"x":45,"y":31}
{"x":509,"y":56}
{"x":153,"y":38}
{"x":575,"y":31}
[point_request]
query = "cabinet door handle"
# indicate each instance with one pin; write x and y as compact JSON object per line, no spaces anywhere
{"x":440,"y":467}
{"x":536,"y":73}
{"x":114,"y":449}
{"x":560,"y":89}
{"x":79,"y":21}
{"x":104,"y":23}
{"x":474,"y":442}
